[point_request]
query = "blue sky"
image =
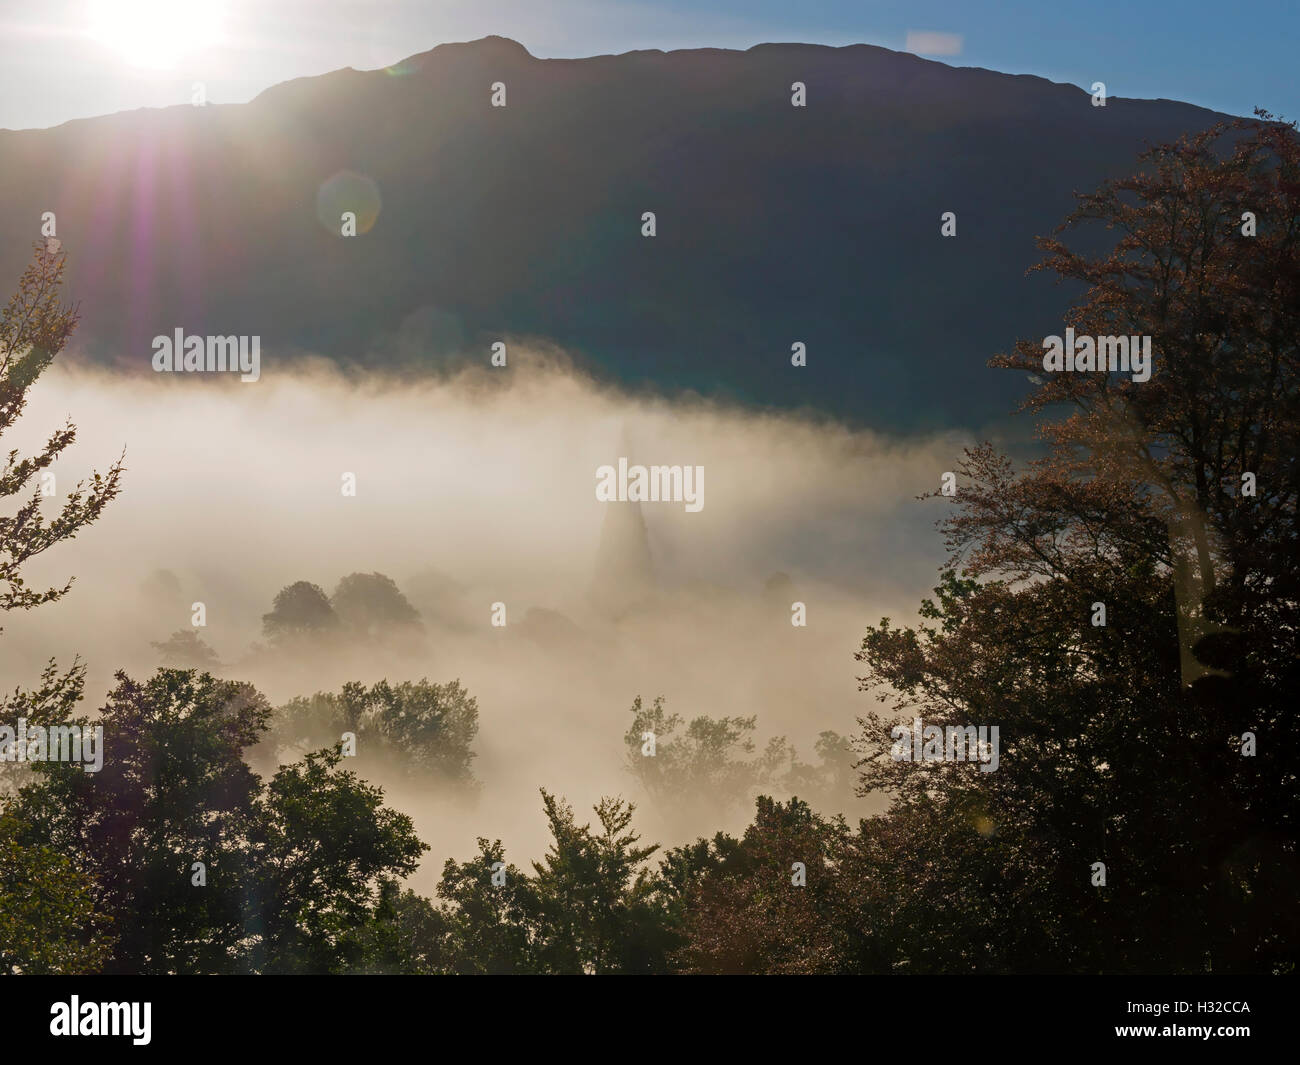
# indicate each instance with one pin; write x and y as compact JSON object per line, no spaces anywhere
{"x":69,"y":59}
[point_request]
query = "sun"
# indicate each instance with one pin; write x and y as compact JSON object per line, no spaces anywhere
{"x":155,"y":34}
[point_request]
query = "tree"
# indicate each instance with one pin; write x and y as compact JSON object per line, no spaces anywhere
{"x":591,"y":905}
{"x":1123,"y":733}
{"x":433,"y":726}
{"x":175,"y":791}
{"x":48,"y":922}
{"x":424,"y":729}
{"x":491,"y":913}
{"x":327,"y":855}
{"x":53,"y":701}
{"x":290,"y":872}
{"x":34,"y":327}
{"x":699,"y":764}
{"x":745,"y":912}
{"x":301,"y":611}
{"x":1163,"y":462}
{"x":594,"y":893}
{"x":48,"y":918}
{"x":831,"y":782}
{"x":371,"y":606}
{"x":703,"y":766}
{"x":184,"y":649}
{"x":406,"y":934}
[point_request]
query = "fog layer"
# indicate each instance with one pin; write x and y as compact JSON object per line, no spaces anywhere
{"x":479,"y":489}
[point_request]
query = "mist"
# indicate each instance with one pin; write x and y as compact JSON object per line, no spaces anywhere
{"x":476,"y":488}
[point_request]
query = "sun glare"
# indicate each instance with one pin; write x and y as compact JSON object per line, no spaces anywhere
{"x":155,"y":34}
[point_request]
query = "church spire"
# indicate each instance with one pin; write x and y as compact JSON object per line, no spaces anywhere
{"x":624,"y":572}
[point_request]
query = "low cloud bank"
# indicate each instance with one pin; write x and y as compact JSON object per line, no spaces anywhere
{"x":478,"y":489}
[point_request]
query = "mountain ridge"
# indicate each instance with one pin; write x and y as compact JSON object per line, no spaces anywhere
{"x":776,"y":224}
